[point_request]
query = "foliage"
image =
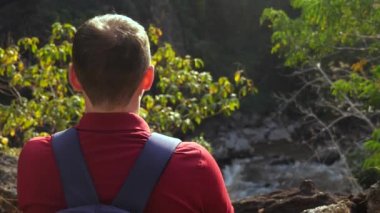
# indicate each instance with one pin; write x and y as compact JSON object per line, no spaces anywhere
{"x":323,"y":28}
{"x":34,"y":78}
{"x":202,"y":141}
{"x":334,"y":44}
{"x":359,"y":87}
{"x":187,"y":96}
{"x":369,"y":177}
{"x":373,"y":146}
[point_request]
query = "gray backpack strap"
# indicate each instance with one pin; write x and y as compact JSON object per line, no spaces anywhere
{"x":145,"y":173}
{"x":77,"y":183}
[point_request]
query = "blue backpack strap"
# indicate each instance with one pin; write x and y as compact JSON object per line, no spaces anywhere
{"x":77,"y":183}
{"x":145,"y":173}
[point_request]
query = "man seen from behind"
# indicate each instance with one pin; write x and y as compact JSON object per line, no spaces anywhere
{"x":111,"y":68}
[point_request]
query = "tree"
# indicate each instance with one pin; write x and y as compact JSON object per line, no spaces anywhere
{"x":334,"y":45}
{"x":34,"y":78}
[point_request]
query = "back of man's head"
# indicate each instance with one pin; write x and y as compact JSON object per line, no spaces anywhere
{"x":110,"y":55}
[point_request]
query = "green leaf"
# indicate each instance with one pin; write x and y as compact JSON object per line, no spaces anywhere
{"x":237,"y":76}
{"x":198,"y":63}
{"x":149,"y":101}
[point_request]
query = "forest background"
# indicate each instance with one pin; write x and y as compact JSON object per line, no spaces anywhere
{"x":227,"y":49}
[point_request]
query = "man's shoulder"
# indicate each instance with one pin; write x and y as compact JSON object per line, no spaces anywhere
{"x":38,"y":143}
{"x":191,"y":148}
{"x":36,"y":149}
{"x":194,"y":153}
{"x":36,"y":158}
{"x":38,"y":177}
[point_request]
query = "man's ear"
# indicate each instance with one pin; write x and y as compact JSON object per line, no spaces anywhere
{"x":73,"y":79}
{"x":148,"y":78}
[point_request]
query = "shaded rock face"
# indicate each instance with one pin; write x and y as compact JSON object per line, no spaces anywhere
{"x":8,"y":194}
{"x":326,"y":156}
{"x":238,"y":136}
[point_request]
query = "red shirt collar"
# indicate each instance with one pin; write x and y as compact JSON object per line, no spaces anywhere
{"x":112,"y":121}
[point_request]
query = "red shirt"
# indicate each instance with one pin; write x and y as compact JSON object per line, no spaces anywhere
{"x":111,"y":142}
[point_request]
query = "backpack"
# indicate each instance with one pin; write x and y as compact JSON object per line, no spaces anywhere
{"x":78,"y":188}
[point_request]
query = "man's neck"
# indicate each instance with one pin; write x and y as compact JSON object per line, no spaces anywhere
{"x":114,"y":110}
{"x":132,"y":107}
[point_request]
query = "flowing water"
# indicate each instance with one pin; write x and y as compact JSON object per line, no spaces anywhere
{"x":283,"y":165}
{"x":260,"y":154}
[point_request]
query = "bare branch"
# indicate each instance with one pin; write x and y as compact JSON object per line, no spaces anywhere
{"x":348,"y":100}
{"x":352,"y":48}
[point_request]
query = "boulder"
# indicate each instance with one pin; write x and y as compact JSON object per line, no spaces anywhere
{"x":286,"y":201}
{"x":279,"y":134}
{"x":340,"y":207}
{"x":373,"y":198}
{"x":326,"y":155}
{"x":308,"y":199}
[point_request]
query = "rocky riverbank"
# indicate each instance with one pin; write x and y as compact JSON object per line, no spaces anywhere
{"x":260,"y":154}
{"x":308,"y":199}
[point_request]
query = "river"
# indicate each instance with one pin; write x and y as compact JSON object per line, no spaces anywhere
{"x":259,"y":155}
